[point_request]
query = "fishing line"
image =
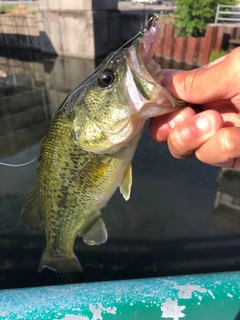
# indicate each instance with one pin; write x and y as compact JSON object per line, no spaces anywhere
{"x":99,"y":70}
{"x":18,"y":165}
{"x":143,"y":29}
{"x":109,"y":59}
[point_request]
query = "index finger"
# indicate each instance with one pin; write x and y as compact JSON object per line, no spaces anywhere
{"x":160,"y":127}
{"x":190,"y":134}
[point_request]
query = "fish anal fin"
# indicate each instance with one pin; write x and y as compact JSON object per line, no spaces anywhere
{"x":69,"y":269}
{"x":125,"y":187}
{"x":31,"y":211}
{"x":95,"y":232}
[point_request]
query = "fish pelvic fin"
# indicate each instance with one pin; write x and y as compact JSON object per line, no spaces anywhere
{"x":69,"y":269}
{"x":125,"y":187}
{"x":31,"y":211}
{"x":95,"y":232}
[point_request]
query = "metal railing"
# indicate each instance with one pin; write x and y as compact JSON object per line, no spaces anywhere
{"x":20,"y":2}
{"x":234,"y":14}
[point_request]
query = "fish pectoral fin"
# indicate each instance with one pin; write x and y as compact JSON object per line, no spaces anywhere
{"x":31,"y":212}
{"x":125,"y":187}
{"x":95,"y":232}
{"x":69,"y":269}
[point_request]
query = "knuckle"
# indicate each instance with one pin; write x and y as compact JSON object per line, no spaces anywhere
{"x":229,"y":145}
{"x":189,"y":83}
{"x":180,"y":140}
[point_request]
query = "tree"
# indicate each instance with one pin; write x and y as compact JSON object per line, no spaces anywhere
{"x":193,"y":15}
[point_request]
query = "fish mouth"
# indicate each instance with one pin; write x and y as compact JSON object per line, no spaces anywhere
{"x":146,"y":73}
{"x":151,"y":39}
{"x":145,"y":48}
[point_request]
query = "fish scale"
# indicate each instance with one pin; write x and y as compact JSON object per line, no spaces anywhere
{"x":75,"y":188}
{"x":87,"y":152}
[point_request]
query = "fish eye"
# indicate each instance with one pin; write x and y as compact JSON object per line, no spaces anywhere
{"x":106,"y":78}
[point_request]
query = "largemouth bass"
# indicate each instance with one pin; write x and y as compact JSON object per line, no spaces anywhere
{"x":86,"y":154}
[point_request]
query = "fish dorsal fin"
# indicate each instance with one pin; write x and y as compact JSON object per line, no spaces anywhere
{"x":125,"y":187}
{"x":31,"y":212}
{"x":95,"y":232}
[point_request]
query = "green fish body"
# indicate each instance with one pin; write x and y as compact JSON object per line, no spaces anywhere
{"x":72,"y":186}
{"x":87,"y":152}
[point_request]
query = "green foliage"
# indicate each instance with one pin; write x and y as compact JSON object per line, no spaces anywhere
{"x":17,"y":9}
{"x":193,"y":15}
{"x":5,"y":8}
{"x":32,"y":11}
{"x":217,"y":54}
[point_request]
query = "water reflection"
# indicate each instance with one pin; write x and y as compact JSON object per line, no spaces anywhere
{"x":172,"y":64}
{"x":163,"y":229}
{"x":226,"y":213}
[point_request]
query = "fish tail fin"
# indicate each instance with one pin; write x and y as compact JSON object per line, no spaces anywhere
{"x":69,"y":269}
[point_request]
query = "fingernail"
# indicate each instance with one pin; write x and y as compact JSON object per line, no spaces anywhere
{"x":205,"y":123}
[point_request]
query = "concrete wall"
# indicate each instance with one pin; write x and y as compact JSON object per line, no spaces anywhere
{"x":85,"y":34}
{"x":80,"y":5}
{"x":19,"y":31}
{"x":84,"y":28}
{"x":92,"y":30}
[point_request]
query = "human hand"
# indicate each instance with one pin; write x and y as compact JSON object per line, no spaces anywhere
{"x":213,"y":134}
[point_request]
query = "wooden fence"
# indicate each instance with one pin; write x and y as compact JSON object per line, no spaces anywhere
{"x":192,"y":50}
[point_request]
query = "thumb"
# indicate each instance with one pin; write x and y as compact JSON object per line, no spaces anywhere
{"x":212,"y":82}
